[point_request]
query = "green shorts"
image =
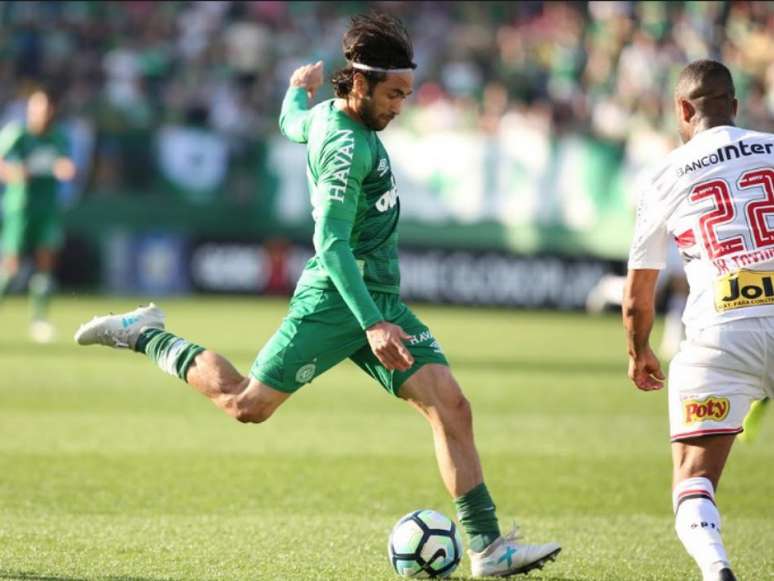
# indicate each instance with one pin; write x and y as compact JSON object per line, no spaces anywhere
{"x":320,"y":331}
{"x":25,"y":231}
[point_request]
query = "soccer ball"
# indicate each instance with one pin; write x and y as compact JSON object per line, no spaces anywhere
{"x":425,"y":543}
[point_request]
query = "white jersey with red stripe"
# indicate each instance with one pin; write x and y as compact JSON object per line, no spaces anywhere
{"x":715,"y":196}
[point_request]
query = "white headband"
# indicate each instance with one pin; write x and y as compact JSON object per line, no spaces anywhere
{"x":362,"y":67}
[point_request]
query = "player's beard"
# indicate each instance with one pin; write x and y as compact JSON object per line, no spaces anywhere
{"x":370,"y":118}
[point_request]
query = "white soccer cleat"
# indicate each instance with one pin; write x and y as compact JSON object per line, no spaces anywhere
{"x":506,"y":557}
{"x":719,"y":571}
{"x":120,"y":331}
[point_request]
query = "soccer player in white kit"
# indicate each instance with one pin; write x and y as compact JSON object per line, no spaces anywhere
{"x":715,"y":196}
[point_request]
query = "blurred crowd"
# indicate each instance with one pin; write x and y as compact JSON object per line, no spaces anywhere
{"x":137,"y":75}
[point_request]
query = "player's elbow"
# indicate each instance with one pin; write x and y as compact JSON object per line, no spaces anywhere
{"x":330,"y":252}
{"x":293,"y":131}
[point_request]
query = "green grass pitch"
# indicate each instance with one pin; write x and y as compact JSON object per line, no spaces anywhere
{"x":110,"y":469}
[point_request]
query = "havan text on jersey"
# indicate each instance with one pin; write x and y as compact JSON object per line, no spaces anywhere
{"x":342,"y":162}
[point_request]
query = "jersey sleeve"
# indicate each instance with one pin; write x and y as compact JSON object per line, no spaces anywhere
{"x":649,"y":244}
{"x":295,"y":114}
{"x":10,"y":136}
{"x":345,"y":161}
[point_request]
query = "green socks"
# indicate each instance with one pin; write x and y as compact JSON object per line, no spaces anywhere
{"x":171,"y":353}
{"x":476,"y":512}
{"x":41,"y":288}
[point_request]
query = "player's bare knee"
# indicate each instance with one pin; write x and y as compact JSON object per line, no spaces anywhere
{"x":461,"y":412}
{"x":252,"y":414}
{"x":700,"y":458}
{"x":250,"y":410}
{"x":454,"y":413}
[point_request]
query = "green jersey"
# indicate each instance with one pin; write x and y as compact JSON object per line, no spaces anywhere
{"x":37,"y":153}
{"x":355,"y":204}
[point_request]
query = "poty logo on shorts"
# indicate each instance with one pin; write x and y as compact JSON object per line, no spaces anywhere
{"x":709,"y":409}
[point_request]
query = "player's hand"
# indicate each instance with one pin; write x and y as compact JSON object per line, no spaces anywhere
{"x":13,"y":173}
{"x":645,"y":371}
{"x":386,"y":341}
{"x":64,"y":169}
{"x":309,"y":77}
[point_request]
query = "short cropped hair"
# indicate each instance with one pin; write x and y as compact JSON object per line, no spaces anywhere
{"x":708,"y":85}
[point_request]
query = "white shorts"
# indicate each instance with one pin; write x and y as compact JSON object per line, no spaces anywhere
{"x":718,"y":372}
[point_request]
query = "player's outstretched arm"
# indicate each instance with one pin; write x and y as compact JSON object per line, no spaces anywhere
{"x":294,"y":118}
{"x":638,"y":312}
{"x":11,"y":167}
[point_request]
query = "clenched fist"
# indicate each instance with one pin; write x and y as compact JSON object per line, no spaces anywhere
{"x":309,"y":77}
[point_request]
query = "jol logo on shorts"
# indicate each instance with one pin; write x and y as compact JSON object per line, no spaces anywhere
{"x":713,"y":409}
{"x":746,"y":288}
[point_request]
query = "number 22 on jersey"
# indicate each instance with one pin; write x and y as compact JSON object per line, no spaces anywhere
{"x":724,"y":211}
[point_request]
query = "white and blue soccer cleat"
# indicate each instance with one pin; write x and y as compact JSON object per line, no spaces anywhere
{"x":120,"y":331}
{"x":506,"y":557}
{"x":719,"y":571}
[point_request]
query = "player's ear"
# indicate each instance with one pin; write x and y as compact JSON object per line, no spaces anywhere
{"x":359,"y":85}
{"x":687,"y":110}
{"x":734,"y":107}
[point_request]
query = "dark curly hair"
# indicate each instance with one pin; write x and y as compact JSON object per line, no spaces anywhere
{"x":374,"y":39}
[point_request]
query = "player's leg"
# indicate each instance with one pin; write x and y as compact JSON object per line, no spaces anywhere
{"x":12,"y":245}
{"x":698,"y":465}
{"x":243,"y":398}
{"x":712,"y":381}
{"x":9,"y":268}
{"x":436,"y":394}
{"x":318,"y":332}
{"x":41,"y":288}
{"x":44,"y":236}
{"x":142,"y":331}
{"x":432,"y":389}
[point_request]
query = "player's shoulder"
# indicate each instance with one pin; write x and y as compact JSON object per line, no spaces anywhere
{"x":336,"y":132}
{"x":341,"y":126}
{"x":715,"y":147}
{"x":10,"y":134}
{"x":743,"y":133}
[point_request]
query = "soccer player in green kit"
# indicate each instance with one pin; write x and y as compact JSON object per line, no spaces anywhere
{"x":34,"y":161}
{"x":346,"y":303}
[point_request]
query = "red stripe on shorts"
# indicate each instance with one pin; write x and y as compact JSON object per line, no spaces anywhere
{"x":715,"y":432}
